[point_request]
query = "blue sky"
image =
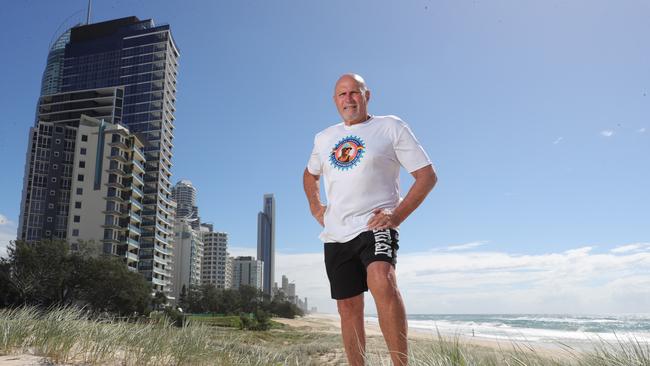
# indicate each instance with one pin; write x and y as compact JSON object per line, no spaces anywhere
{"x":535,"y":114}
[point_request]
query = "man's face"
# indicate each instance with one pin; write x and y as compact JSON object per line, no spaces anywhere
{"x":350,"y":101}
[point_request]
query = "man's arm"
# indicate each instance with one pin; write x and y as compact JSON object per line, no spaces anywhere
{"x":425,"y":179}
{"x":312,"y":189}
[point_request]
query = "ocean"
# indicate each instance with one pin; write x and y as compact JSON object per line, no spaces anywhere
{"x":546,"y":328}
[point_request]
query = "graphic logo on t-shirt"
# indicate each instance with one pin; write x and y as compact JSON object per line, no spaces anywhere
{"x":347,"y":153}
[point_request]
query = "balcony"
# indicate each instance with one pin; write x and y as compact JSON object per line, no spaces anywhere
{"x":135,"y":229}
{"x":135,"y":217}
{"x":158,"y":282}
{"x":132,"y":242}
{"x":131,"y":257}
{"x":164,"y":220}
{"x":119,"y":144}
{"x":161,"y":239}
{"x":118,"y":157}
{"x":137,"y":177}
{"x":115,"y":184}
{"x":138,"y":152}
{"x":136,"y":204}
{"x":137,"y":190}
{"x":166,"y":200}
{"x":116,"y":171}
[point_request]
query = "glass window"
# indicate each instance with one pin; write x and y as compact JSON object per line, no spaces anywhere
{"x":77,"y":204}
{"x":77,"y":218}
{"x":75,"y":232}
{"x":82,"y":151}
{"x":82,"y":164}
{"x":80,"y":191}
{"x":84,"y":138}
{"x":80,"y":177}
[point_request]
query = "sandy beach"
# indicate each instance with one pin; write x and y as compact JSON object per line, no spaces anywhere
{"x":330,"y":323}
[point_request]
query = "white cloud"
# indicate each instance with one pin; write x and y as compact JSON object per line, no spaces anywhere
{"x":576,"y":280}
{"x":607,"y":133}
{"x":641,"y":130}
{"x":7,"y":233}
{"x":558,"y":140}
{"x":636,"y":247}
{"x":471,"y":245}
{"x":237,"y":251}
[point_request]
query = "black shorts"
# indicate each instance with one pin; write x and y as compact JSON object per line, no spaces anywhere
{"x":346,"y":262}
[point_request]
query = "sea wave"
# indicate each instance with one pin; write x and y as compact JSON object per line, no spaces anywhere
{"x":537,"y":328}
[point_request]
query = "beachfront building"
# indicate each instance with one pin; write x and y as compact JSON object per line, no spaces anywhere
{"x":84,"y":175}
{"x":214,"y":267}
{"x":140,"y":60}
{"x":107,"y":184}
{"x":50,"y":157}
{"x":266,"y":241}
{"x":188,"y":255}
{"x":247,"y":271}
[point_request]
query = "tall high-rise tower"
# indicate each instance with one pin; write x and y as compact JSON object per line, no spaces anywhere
{"x":141,"y":59}
{"x":184,"y":194}
{"x":266,"y":241}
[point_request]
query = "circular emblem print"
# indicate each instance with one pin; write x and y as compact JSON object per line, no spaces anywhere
{"x":347,"y":153}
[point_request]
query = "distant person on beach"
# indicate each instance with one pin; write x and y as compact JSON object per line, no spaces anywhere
{"x":364,"y":211}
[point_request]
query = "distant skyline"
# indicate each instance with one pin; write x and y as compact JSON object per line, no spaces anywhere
{"x":535,"y":114}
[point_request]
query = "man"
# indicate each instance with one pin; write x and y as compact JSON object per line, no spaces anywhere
{"x":364,"y":211}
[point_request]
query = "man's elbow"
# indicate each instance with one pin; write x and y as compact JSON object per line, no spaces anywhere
{"x":432,"y":178}
{"x":427,"y":176}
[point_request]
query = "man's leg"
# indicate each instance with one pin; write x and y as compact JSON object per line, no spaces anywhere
{"x":390,"y":309}
{"x":352,"y":328}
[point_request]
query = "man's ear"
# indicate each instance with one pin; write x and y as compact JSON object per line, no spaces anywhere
{"x":367,"y":95}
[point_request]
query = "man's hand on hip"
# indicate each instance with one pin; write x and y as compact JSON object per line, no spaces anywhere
{"x":382,"y":219}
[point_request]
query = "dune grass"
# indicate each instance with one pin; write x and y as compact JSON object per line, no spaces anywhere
{"x":74,"y":336}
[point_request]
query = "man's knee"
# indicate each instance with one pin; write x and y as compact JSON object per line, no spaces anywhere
{"x":381,"y":279}
{"x":352,"y":306}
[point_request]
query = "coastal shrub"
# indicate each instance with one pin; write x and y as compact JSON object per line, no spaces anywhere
{"x":259,"y":320}
{"x":218,"y":321}
{"x":49,"y":273}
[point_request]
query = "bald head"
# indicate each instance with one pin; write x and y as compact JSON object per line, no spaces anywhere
{"x":356,"y":78}
{"x":351,"y":96}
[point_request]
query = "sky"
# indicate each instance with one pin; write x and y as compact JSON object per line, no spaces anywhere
{"x":535,"y":114}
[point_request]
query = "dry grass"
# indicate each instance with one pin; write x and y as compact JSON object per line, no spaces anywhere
{"x":73,"y":336}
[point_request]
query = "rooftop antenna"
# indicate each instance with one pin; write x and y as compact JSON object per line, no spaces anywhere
{"x":88,"y":12}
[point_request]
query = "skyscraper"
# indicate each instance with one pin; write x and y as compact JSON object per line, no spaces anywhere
{"x":188,"y":255}
{"x":184,"y":194}
{"x":266,"y":241}
{"x":247,"y":271}
{"x":140,"y":59}
{"x":214,"y":268}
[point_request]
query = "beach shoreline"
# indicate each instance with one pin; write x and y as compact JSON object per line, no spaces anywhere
{"x":330,"y":323}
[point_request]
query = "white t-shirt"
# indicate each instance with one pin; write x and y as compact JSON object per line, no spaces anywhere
{"x":360,"y":166}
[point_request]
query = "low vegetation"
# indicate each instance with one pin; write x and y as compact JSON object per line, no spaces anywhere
{"x":73,"y":336}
